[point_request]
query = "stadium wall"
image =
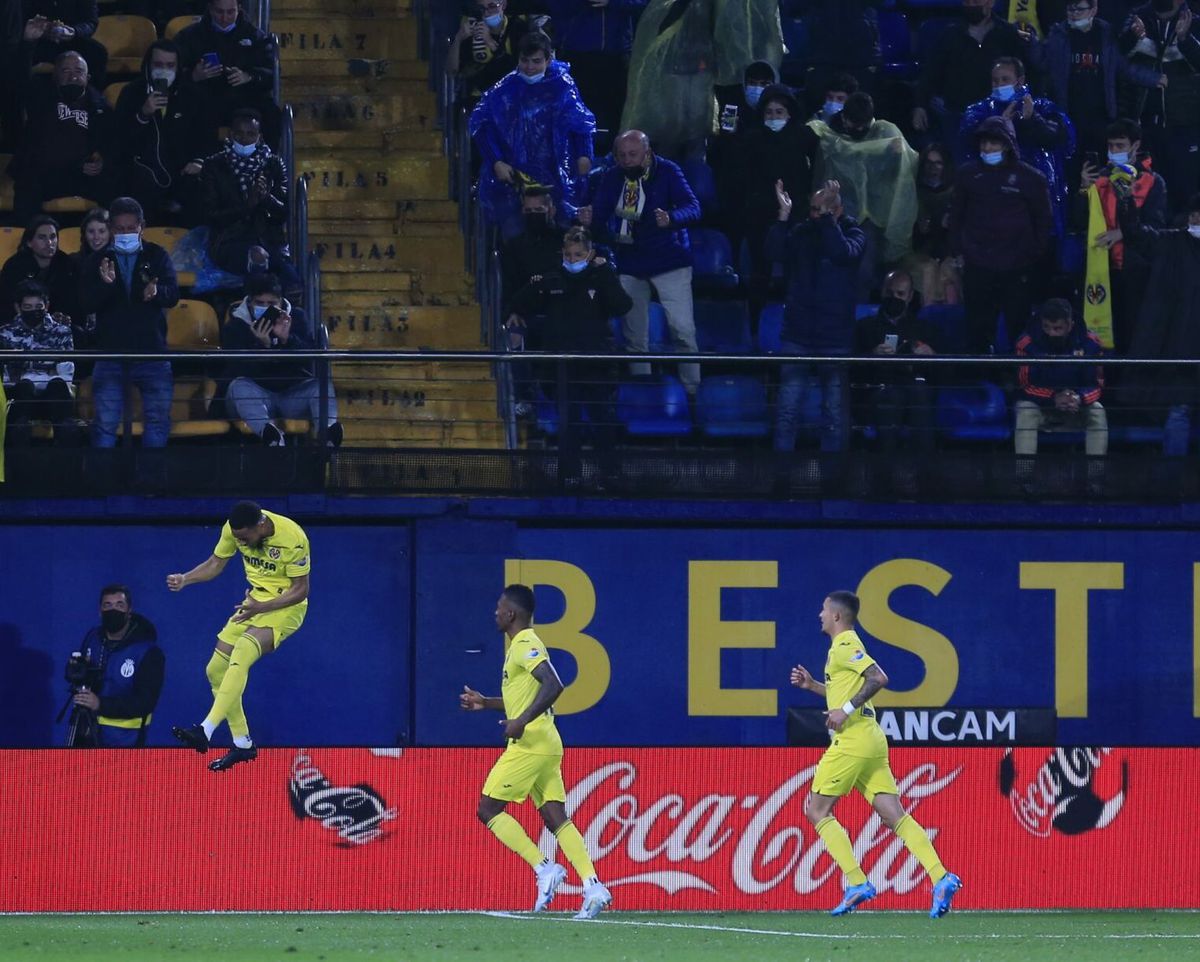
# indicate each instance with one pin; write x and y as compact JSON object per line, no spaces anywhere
{"x":673,"y":829}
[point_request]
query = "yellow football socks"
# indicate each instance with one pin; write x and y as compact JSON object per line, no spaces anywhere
{"x":837,"y":843}
{"x":913,"y":835}
{"x":571,"y":843}
{"x":218,"y":664}
{"x":509,"y":831}
{"x":227,"y":703}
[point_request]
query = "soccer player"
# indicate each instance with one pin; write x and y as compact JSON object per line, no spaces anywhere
{"x":858,"y":758}
{"x":275,"y":553}
{"x":532,"y":763}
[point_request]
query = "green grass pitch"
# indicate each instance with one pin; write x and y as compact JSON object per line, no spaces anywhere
{"x":631,"y":937}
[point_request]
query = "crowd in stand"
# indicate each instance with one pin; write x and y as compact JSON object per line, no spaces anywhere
{"x":1026,"y":188}
{"x":187,"y":140}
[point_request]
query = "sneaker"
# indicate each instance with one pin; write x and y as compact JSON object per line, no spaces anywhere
{"x":272,"y":437}
{"x":232,"y":757}
{"x":193,"y":737}
{"x":853,"y":897}
{"x":943,"y":894}
{"x":549,"y":879}
{"x":596,"y":898}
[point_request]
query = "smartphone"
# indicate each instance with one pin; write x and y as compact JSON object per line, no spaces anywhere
{"x":270,"y":315}
{"x":1091,"y":159}
{"x":159,"y":85}
{"x":211,"y":59}
{"x":729,"y":118}
{"x":892,"y":340}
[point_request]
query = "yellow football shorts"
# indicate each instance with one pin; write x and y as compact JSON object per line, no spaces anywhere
{"x":283,"y":622}
{"x":839,"y":774}
{"x":519,"y":775}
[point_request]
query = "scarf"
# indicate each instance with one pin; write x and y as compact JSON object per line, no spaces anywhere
{"x":633,"y":203}
{"x":1097,"y":304}
{"x":247,"y":169}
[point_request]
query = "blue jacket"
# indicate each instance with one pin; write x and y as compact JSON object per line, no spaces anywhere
{"x":821,"y":259}
{"x":1040,"y":382}
{"x":541,"y":129}
{"x":580,"y":27}
{"x":124,"y":321}
{"x":1056,"y":62}
{"x":655,"y":250}
{"x":133,"y":669}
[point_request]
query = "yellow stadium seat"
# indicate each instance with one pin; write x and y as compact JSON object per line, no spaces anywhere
{"x":167,"y":238}
{"x":69,"y":240}
{"x":10,"y":242}
{"x":68,"y":205}
{"x":126,"y":38}
{"x":113,"y":91}
{"x":189,"y":409}
{"x":193,"y":326}
{"x":175,"y":24}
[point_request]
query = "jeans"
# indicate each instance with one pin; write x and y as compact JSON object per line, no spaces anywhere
{"x":153,"y":379}
{"x":256,"y":405}
{"x":796,"y":381}
{"x":675,"y":292}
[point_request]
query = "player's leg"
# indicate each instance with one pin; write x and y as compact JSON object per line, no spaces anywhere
{"x":549,"y":794}
{"x":196,"y":736}
{"x":834,"y":778}
{"x":255,"y":641}
{"x":509,"y":781}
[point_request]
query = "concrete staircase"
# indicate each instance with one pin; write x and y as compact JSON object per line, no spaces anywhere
{"x":390,"y":248}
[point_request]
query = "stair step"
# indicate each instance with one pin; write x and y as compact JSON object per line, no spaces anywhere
{"x":348,"y":8}
{"x":419,"y":434}
{"x":381,"y":230}
{"x":401,"y":328}
{"x":381,"y":140}
{"x":366,"y":175}
{"x":474,"y":385}
{"x":401,"y":281}
{"x":349,"y":253}
{"x":355,"y":69}
{"x":323,"y":37}
{"x":424,"y":211}
{"x":409,"y":110}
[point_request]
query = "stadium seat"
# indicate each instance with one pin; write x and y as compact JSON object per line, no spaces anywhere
{"x":10,"y":243}
{"x":928,"y":34}
{"x":193,"y":326}
{"x":703,"y":181}
{"x":865,"y":310}
{"x":113,"y":91}
{"x":168,"y":238}
{"x":770,"y":329}
{"x":126,"y":38}
{"x":732,"y":406}
{"x":175,"y":24}
{"x":951,"y":323}
{"x":895,"y":45}
{"x":722,"y":326}
{"x":190,"y":403}
{"x":658,"y":336}
{"x":6,"y":184}
{"x":712,"y":262}
{"x":69,"y":241}
{"x":654,"y":407}
{"x":68,"y":205}
{"x":794,"y":68}
{"x":975,"y":413}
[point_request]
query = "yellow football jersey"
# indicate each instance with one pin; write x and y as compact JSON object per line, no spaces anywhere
{"x":844,"y":667}
{"x":280,"y":558}
{"x":518,"y":689}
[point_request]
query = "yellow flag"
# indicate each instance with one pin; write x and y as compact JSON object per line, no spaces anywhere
{"x":1025,"y":11}
{"x":1097,"y":290}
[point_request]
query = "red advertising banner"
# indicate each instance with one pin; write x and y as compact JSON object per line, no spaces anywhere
{"x":685,"y":829}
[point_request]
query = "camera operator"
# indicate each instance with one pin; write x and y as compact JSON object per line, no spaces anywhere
{"x":119,"y":676}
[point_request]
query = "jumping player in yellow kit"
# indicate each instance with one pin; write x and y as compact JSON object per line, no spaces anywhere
{"x":531,"y":765}
{"x":858,"y":758}
{"x":276,"y":556}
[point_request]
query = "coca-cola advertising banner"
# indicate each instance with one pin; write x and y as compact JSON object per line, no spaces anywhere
{"x":671,"y":829}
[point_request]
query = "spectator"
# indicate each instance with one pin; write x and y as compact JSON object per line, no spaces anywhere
{"x":1129,"y":271}
{"x":575,"y":302}
{"x":1166,"y":325}
{"x":1159,"y":35}
{"x":820,"y":254}
{"x":124,"y":656}
{"x":738,"y":107}
{"x":245,"y":195}
{"x":647,"y":203}
{"x":485,"y":48}
{"x":1045,"y":136}
{"x":39,"y":259}
{"x":531,"y":128}
{"x":94,"y":235}
{"x":38,"y":390}
{"x":232,"y":64}
{"x":1062,"y":397}
{"x":1082,"y":61}
{"x":898,"y":398}
{"x":935,"y":273}
{"x":595,"y":39}
{"x":67,"y":144}
{"x":129,"y":287}
{"x":261,"y":393}
{"x":1000,"y":223}
{"x":843,"y":37}
{"x":958,"y":70}
{"x":840,"y":88}
{"x":55,"y":26}
{"x":162,"y":127}
{"x":739,"y":115}
{"x":537,"y":250}
{"x":877,"y":170}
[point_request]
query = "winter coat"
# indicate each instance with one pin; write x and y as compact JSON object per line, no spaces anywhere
{"x":1056,"y":61}
{"x":576,"y":309}
{"x":125,"y":322}
{"x":133,"y":669}
{"x":61,"y":281}
{"x":39,"y":144}
{"x":1040,"y":382}
{"x":578,"y":26}
{"x":959,"y":69}
{"x":227,"y":212}
{"x":245,"y":47}
{"x":237,"y":336}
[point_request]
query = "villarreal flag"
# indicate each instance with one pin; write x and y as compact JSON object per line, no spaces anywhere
{"x":1025,"y":12}
{"x":1097,"y":288}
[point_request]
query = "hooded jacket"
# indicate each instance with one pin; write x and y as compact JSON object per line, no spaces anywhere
{"x":44,"y":111}
{"x":133,"y":669}
{"x":768,"y":155}
{"x":1001,"y":218}
{"x":245,"y":47}
{"x":237,"y":336}
{"x":1040,"y":382}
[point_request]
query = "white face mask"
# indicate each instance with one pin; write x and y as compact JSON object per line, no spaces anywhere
{"x":217,"y":27}
{"x":1084,"y":24}
{"x":1194,"y":230}
{"x":162,"y":73}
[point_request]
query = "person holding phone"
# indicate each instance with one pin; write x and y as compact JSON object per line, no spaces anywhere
{"x":262,"y":393}
{"x":54,"y":26}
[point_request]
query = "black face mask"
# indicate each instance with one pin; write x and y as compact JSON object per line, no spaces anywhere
{"x":71,"y":92}
{"x":974,"y":15}
{"x":893,"y":307}
{"x":1164,"y":6}
{"x":113,"y":620}
{"x":1058,"y":345}
{"x":634,"y":173}
{"x":32,"y":318}
{"x":536,"y":222}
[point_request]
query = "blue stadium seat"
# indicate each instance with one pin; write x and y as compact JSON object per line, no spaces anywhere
{"x":975,"y":413}
{"x":865,"y":310}
{"x":1072,"y":254}
{"x":733,"y":406}
{"x":712,"y":262}
{"x":951,"y":322}
{"x":654,"y":407}
{"x":659,"y":339}
{"x":895,"y":46}
{"x":770,"y":329}
{"x":723,"y":326}
{"x":703,"y":181}
{"x":928,"y":34}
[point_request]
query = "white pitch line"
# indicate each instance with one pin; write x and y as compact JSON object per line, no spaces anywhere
{"x":830,"y":935}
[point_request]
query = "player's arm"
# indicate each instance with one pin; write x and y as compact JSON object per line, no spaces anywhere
{"x":874,"y":679}
{"x":802,"y":678}
{"x":471,"y":700}
{"x":205,"y":571}
{"x":292,"y":596}
{"x":550,"y":688}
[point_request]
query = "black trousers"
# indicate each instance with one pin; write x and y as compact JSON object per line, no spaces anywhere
{"x":988,"y":294}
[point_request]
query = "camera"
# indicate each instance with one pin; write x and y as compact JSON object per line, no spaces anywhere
{"x":81,"y":673}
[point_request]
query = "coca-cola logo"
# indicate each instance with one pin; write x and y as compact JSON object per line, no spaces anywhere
{"x":1072,"y":791}
{"x":356,"y":813}
{"x":763,"y":850}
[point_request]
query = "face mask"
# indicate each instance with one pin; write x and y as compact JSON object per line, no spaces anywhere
{"x":975,"y":15}
{"x":776,"y":124}
{"x":754,"y":94}
{"x":1118,"y":159}
{"x":162,"y":73}
{"x":633,"y":173}
{"x":536,"y":223}
{"x":494,"y":21}
{"x":833,"y":108}
{"x":32,"y":318}
{"x":1005,"y":93}
{"x":71,"y":92}
{"x":535,"y":78}
{"x":1164,"y":6}
{"x":127,"y":243}
{"x":1057,"y":344}
{"x":217,"y":27}
{"x":243,"y":150}
{"x":577,"y":268}
{"x":1194,"y":230}
{"x":258,"y":310}
{"x":893,"y":306}
{"x":113,"y":621}
{"x":992,"y":158}
{"x":933,"y":183}
{"x":1084,"y":24}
